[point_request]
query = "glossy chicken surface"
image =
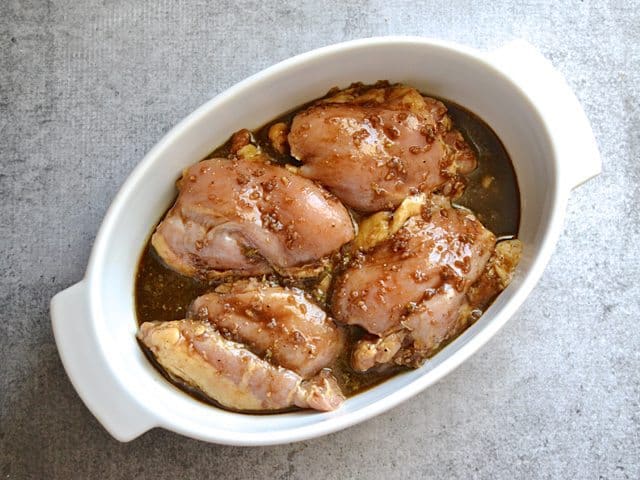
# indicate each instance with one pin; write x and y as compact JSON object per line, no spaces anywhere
{"x":195,"y":353}
{"x":422,"y":335}
{"x":373,"y":147}
{"x":328,"y":250}
{"x":248,"y":217}
{"x":410,"y":289}
{"x":277,"y":323}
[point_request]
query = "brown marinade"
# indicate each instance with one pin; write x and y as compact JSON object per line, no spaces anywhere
{"x":491,"y":192}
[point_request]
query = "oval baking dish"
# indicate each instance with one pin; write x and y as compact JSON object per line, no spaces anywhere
{"x":514,"y":89}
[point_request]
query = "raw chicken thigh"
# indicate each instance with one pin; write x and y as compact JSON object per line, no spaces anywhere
{"x":248,"y":217}
{"x":277,"y":323}
{"x":409,"y":290}
{"x":373,"y":147}
{"x":195,"y":353}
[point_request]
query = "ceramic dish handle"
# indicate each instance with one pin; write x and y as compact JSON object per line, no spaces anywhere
{"x":120,"y":414}
{"x":568,"y":125}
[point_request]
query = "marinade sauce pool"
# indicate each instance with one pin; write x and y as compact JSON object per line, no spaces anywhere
{"x":491,"y":193}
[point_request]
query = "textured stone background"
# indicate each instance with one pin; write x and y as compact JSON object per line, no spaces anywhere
{"x":86,"y":88}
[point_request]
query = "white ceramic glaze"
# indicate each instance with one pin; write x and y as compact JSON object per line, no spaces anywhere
{"x":514,"y":89}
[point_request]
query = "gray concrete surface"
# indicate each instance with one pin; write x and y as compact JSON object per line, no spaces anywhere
{"x":86,"y":88}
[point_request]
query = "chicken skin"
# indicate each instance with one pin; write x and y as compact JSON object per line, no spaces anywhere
{"x":277,"y":323}
{"x":408,"y":290}
{"x":397,"y":348}
{"x":248,"y":217}
{"x":195,"y":353}
{"x":372,"y":147}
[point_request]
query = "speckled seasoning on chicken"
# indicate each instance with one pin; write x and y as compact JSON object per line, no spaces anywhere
{"x":249,"y":217}
{"x":196,"y":353}
{"x":338,"y":245}
{"x":412,"y":286}
{"x":374,"y":147}
{"x":279,"y":323}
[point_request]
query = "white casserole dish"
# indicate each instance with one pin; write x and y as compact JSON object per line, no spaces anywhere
{"x":514,"y":89}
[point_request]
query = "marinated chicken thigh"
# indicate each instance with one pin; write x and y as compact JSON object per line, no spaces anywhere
{"x":195,"y":353}
{"x":277,"y":323}
{"x":248,"y":217}
{"x":397,"y":347}
{"x":409,"y":290}
{"x":373,"y":147}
